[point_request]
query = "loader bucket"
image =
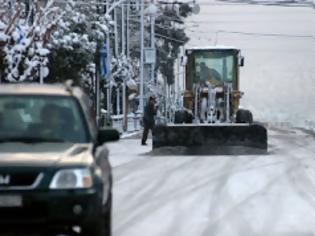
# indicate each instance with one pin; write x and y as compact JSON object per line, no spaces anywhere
{"x":211,"y":138}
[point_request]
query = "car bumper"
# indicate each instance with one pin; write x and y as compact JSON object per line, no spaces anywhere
{"x":53,"y":210}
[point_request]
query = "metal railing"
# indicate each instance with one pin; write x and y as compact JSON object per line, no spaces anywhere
{"x":133,"y":122}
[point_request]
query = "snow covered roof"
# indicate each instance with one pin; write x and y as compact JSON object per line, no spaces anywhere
{"x":36,"y":89}
{"x":213,"y":47}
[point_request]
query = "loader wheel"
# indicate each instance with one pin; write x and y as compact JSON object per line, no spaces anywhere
{"x":179,"y":117}
{"x":188,"y":117}
{"x":183,"y":117}
{"x":244,"y":116}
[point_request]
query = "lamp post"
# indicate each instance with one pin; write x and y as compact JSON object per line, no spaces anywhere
{"x":109,"y":90}
{"x":123,"y":49}
{"x":109,"y":10}
{"x":152,"y":10}
{"x":141,"y":56}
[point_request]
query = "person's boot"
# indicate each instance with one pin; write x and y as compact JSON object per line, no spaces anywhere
{"x":143,"y":143}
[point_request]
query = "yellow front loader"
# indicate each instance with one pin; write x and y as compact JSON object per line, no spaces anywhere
{"x":210,"y":119}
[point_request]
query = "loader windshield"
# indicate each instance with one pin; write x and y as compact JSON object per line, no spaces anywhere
{"x":212,"y":65}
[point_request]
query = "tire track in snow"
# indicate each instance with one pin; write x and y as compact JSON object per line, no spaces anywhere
{"x":159,"y":199}
{"x":242,"y":226}
{"x":290,"y":177}
{"x":146,"y":167}
{"x":221,"y":193}
{"x":147,"y":208}
{"x":155,"y":201}
{"x":302,"y":184}
{"x":299,"y":179}
{"x":145,"y":191}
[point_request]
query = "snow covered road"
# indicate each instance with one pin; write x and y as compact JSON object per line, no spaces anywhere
{"x":272,"y":194}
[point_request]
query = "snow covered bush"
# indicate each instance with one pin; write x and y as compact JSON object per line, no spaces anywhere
{"x":122,"y":68}
{"x":25,"y":31}
{"x":52,"y":40}
{"x":170,"y":37}
{"x":75,"y":43}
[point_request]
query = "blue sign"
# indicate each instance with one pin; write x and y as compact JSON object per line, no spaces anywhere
{"x":104,"y":63}
{"x":21,"y":34}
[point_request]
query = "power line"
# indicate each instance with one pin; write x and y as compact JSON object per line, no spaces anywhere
{"x":158,"y":25}
{"x":147,"y":4}
{"x":266,"y":34}
{"x":257,"y":34}
{"x":169,"y":38}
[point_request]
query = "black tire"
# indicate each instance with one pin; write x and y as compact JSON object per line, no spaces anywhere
{"x":179,"y":117}
{"x":102,"y":227}
{"x":244,"y":116}
{"x":188,"y":117}
{"x":98,"y":228}
{"x":183,"y":116}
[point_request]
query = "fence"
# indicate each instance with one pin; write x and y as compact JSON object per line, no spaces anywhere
{"x":133,"y":122}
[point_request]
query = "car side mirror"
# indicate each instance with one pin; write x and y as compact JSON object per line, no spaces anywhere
{"x":242,"y":61}
{"x":183,"y":61}
{"x":107,"y":135}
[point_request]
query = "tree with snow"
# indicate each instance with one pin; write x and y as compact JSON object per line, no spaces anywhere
{"x":76,"y":42}
{"x":170,"y":37}
{"x":25,"y":31}
{"x":55,"y":40}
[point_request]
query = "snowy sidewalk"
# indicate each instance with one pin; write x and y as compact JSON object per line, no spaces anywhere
{"x":128,"y":150}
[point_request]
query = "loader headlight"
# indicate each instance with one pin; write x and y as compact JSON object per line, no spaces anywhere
{"x":72,"y":179}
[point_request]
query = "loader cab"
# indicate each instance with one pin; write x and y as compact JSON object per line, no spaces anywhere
{"x":214,"y":64}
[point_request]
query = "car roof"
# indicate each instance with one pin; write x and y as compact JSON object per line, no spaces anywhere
{"x":34,"y":89}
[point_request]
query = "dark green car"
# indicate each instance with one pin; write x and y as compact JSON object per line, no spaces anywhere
{"x":54,"y":171}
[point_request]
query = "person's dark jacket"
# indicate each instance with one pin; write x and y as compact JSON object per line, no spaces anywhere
{"x":149,"y":113}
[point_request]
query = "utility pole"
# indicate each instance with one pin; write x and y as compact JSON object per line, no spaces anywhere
{"x":128,"y":30}
{"x":97,"y":93}
{"x":108,"y":83}
{"x":109,"y":10}
{"x":116,"y":54}
{"x":152,"y":11}
{"x":123,"y":40}
{"x":123,"y":48}
{"x":116,"y":32}
{"x":41,"y":78}
{"x":141,"y":56}
{"x":118,"y":100}
{"x":109,"y":89}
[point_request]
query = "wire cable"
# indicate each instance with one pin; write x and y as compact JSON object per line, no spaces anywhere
{"x":169,"y":38}
{"x":255,"y":34}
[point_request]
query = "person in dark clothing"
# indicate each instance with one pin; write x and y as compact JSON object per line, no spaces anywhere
{"x":148,"y":119}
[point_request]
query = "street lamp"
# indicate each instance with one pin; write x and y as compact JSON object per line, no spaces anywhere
{"x":152,"y":11}
{"x":109,"y":10}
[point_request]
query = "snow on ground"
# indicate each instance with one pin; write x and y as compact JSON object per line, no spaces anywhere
{"x":272,"y":194}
